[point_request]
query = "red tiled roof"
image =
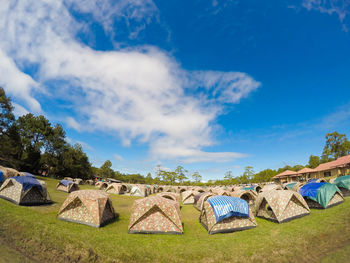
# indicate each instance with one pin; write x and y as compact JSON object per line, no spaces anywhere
{"x":285,"y":174}
{"x":306,"y":170}
{"x":341,"y":161}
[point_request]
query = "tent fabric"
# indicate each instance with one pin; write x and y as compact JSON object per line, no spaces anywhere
{"x":155,"y":214}
{"x":89,"y":207}
{"x":290,"y":185}
{"x":171,"y":196}
{"x":188,"y":197}
{"x":247,"y":188}
{"x":312,"y":181}
{"x":28,"y":174}
{"x":66,"y":182}
{"x":230,"y":224}
{"x":343,"y":181}
{"x":202,"y":199}
{"x":14,"y":191}
{"x":228,"y":206}
{"x":1,"y":176}
{"x":321,"y":193}
{"x":27,"y":182}
{"x":280,"y":205}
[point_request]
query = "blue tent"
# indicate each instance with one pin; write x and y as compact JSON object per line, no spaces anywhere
{"x":321,"y":193}
{"x":28,"y":174}
{"x":227,"y":206}
{"x":1,"y":176}
{"x":66,"y":182}
{"x":27,"y":182}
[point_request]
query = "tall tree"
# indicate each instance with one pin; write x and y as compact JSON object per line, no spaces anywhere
{"x":106,"y":169}
{"x":314,"y":161}
{"x":196,"y":177}
{"x":180,"y":174}
{"x":337,"y":145}
{"x":228,"y":175}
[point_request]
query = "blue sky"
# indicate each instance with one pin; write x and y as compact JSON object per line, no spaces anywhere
{"x":210,"y":85}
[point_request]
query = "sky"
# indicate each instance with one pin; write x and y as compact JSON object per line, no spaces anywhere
{"x":214,"y":86}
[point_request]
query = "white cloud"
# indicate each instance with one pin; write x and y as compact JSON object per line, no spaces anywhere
{"x":19,"y":110}
{"x":136,"y":94}
{"x":340,"y":8}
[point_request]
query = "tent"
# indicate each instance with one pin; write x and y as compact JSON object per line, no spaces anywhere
{"x":289,"y":186}
{"x":89,"y":207}
{"x":27,"y":174}
{"x":67,"y":186}
{"x":101,"y":185}
{"x":321,"y":195}
{"x":343,"y":183}
{"x":8,"y":172}
{"x":247,"y":195}
{"x":25,"y":190}
{"x":269,"y":187}
{"x":137,"y":190}
{"x":222,"y":192}
{"x":90,"y":182}
{"x":1,"y":177}
{"x":155,"y":215}
{"x":224,"y":214}
{"x":281,"y":206}
{"x":316,"y":180}
{"x":203,"y":197}
{"x":297,"y":186}
{"x":68,"y":178}
{"x":115,"y":188}
{"x":172,"y":196}
{"x":188,"y":197}
{"x":78,"y":181}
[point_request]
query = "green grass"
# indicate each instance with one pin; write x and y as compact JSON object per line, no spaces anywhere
{"x":37,"y":233}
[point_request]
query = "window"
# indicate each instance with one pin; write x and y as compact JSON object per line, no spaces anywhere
{"x":327,"y":174}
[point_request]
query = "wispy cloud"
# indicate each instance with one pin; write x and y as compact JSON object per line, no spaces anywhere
{"x":138,"y":94}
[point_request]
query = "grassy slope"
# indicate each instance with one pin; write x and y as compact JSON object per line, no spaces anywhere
{"x":36,"y":232}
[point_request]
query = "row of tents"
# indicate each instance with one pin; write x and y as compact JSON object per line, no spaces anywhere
{"x":221,"y":210}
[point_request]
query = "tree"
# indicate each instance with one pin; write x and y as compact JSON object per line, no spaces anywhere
{"x":314,"y":161}
{"x":196,"y":177}
{"x":7,"y":118}
{"x":180,"y":174}
{"x":337,"y":145}
{"x":149,"y":179}
{"x":106,"y":169}
{"x":228,"y":175}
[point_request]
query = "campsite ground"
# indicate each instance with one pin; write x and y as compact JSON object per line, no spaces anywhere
{"x":38,"y":234}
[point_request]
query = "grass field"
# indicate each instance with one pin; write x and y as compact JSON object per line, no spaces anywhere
{"x":38,"y":234}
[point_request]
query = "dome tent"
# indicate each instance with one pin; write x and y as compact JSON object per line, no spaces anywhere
{"x":248,"y":195}
{"x":188,"y":197}
{"x":172,"y":196}
{"x":199,"y":204}
{"x":25,"y":190}
{"x":116,"y":188}
{"x":224,"y":214}
{"x":138,"y":190}
{"x":155,"y":215}
{"x":321,"y":195}
{"x":280,"y":205}
{"x":67,"y":186}
{"x":89,"y":207}
{"x":343,"y":183}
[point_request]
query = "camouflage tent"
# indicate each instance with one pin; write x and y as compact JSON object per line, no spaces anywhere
{"x":155,"y":215}
{"x":280,"y":205}
{"x":222,"y":192}
{"x":199,"y":204}
{"x":116,"y":188}
{"x":248,"y":195}
{"x":89,"y":207}
{"x":24,"y":190}
{"x":67,"y":186}
{"x":188,"y":197}
{"x":224,"y":214}
{"x":321,"y":195}
{"x":101,"y":185}
{"x":68,"y":178}
{"x":182,"y":189}
{"x":343,"y":183}
{"x":269,"y":187}
{"x":78,"y":181}
{"x":138,"y":190}
{"x":297,"y":186}
{"x":90,"y":182}
{"x":172,"y":196}
{"x":8,"y":172}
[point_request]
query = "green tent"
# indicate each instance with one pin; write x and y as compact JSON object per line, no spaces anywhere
{"x":343,"y":182}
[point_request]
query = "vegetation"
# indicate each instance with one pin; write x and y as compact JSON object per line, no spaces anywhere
{"x":37,"y":233}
